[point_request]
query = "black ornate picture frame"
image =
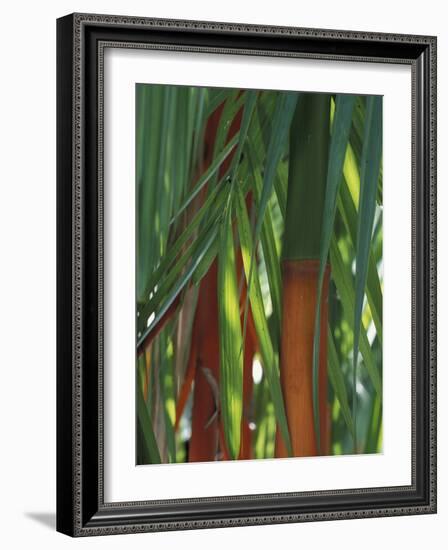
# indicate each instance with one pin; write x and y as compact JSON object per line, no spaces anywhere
{"x":81,"y":40}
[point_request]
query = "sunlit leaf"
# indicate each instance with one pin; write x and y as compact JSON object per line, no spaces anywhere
{"x":146,"y":425}
{"x":207,"y":175}
{"x":338,"y":145}
{"x":180,"y":284}
{"x":370,"y":169}
{"x":344,"y":283}
{"x":348,"y":212}
{"x":337,"y":381}
{"x":230,"y":338}
{"x":269,"y":359}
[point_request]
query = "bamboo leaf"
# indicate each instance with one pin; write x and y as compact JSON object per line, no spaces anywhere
{"x":173,"y":263}
{"x":258,"y":150}
{"x":337,"y":381}
{"x":356,"y":140}
{"x":264,"y":415}
{"x":230,"y":338}
{"x":232,"y":105}
{"x":282,"y":117}
{"x":149,"y":107}
{"x":206,"y":262}
{"x":217,"y":96}
{"x":180,"y":284}
{"x":338,"y":145}
{"x":280,"y":128}
{"x":271,"y":255}
{"x":373,"y":439}
{"x":348,"y":213}
{"x":213,"y":208}
{"x":370,"y":169}
{"x":207,"y":175}
{"x":167,"y":282}
{"x":198,"y":131}
{"x":166,"y":385}
{"x":344,"y":284}
{"x":269,"y":359}
{"x":165,"y":122}
{"x":146,"y":425}
{"x":249,"y":106}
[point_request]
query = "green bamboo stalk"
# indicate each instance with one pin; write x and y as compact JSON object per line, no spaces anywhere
{"x":309,"y":143}
{"x":307,"y":177}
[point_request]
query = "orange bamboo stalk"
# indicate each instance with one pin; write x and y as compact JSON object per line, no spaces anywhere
{"x":204,"y":433}
{"x":299,"y":307}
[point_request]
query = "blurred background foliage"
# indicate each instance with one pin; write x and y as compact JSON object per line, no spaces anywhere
{"x":212,"y":170}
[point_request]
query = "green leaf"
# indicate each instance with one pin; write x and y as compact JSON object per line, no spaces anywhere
{"x":347,"y":209}
{"x":207,"y":175}
{"x":258,"y":151}
{"x":271,"y":255}
{"x":149,"y":119}
{"x":282,"y":117}
{"x":230,"y":338}
{"x":213,"y":208}
{"x":370,"y":169}
{"x":264,"y":416}
{"x":356,"y":140}
{"x":344,"y":283}
{"x":146,"y":424}
{"x":198,"y":131}
{"x":166,"y":283}
{"x":337,"y":381}
{"x":167,"y":392}
{"x":165,"y":158}
{"x":232,"y":105}
{"x":217,"y":96}
{"x":249,"y":105}
{"x":338,"y":145}
{"x":206,"y":262}
{"x":373,"y":439}
{"x":269,"y":359}
{"x":169,"y":298}
{"x":280,"y":127}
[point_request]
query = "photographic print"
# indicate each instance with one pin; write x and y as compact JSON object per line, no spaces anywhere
{"x":259,"y":274}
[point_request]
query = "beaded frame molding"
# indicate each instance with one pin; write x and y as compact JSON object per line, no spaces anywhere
{"x":81,"y":40}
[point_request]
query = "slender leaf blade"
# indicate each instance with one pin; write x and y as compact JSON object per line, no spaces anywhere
{"x":268,"y":356}
{"x":347,"y":209}
{"x":339,"y":139}
{"x":180,"y":284}
{"x":337,"y":381}
{"x":344,"y":283}
{"x":208,"y":174}
{"x":144,"y":418}
{"x":370,"y":170}
{"x":249,"y":106}
{"x":230,"y":338}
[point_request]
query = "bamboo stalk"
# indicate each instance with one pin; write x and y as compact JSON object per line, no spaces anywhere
{"x":309,"y":146}
{"x":299,"y":312}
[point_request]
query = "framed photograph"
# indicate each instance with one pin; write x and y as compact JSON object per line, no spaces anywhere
{"x":246,"y":274}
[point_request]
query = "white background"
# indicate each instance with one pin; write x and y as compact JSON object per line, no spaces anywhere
{"x":27,"y":300}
